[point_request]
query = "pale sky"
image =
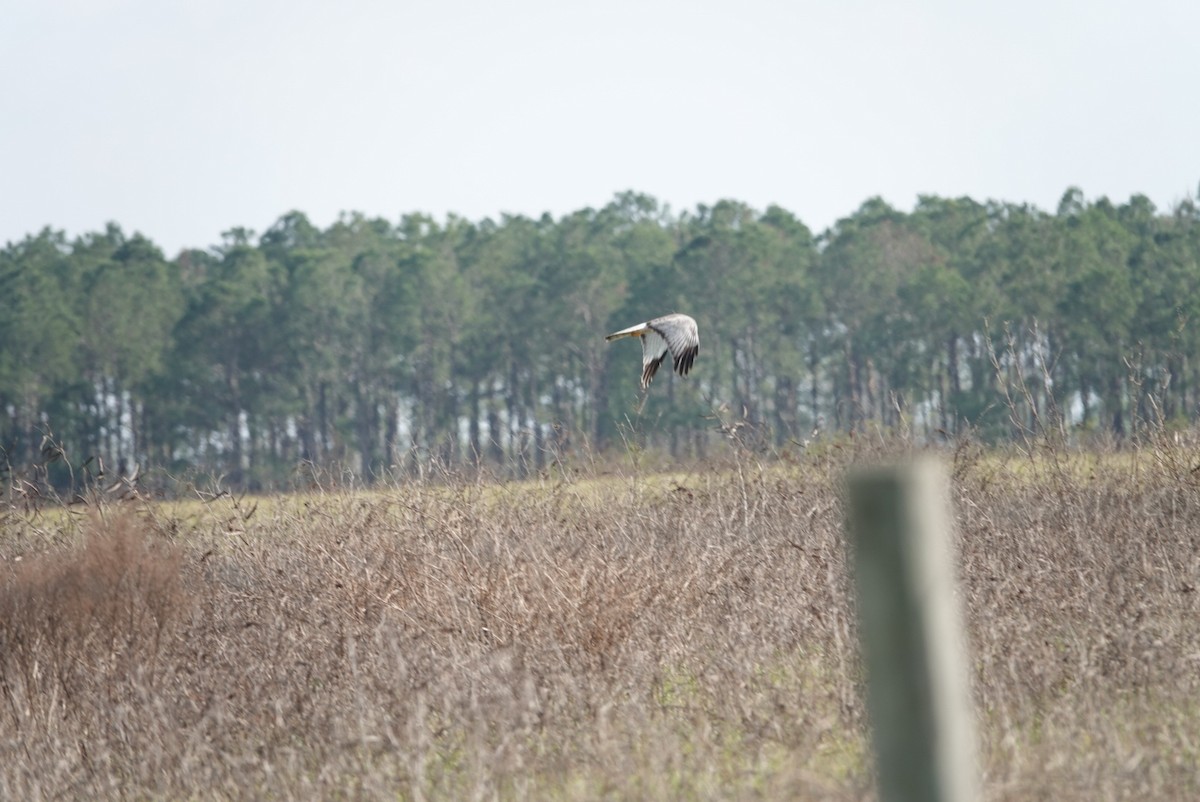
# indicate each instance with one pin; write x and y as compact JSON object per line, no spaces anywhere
{"x":183,"y":119}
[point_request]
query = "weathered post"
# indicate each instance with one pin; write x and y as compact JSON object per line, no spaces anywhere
{"x":918,"y":691}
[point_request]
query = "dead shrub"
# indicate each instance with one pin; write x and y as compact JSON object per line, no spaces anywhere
{"x":90,"y":617}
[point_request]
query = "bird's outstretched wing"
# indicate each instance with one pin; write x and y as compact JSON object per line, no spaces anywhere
{"x":675,"y":334}
{"x":654,"y":350}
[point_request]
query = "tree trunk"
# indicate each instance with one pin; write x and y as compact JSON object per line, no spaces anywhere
{"x":495,"y":447}
{"x":814,"y":363}
{"x":474,"y":444}
{"x":234,"y":423}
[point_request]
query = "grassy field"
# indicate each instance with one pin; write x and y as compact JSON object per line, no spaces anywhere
{"x":589,"y":636}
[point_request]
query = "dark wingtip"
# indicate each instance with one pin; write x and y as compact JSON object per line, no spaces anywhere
{"x":684,"y":363}
{"x":649,"y":371}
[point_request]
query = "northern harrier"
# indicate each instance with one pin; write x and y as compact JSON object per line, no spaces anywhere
{"x":675,"y":333}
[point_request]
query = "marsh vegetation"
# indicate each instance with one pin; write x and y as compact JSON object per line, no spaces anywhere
{"x":595,"y":634}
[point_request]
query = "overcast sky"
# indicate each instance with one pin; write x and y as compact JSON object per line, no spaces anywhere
{"x":183,"y":119}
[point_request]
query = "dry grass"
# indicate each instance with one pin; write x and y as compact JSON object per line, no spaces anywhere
{"x":599,"y":638}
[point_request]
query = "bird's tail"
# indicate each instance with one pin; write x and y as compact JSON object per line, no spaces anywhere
{"x":632,"y":331}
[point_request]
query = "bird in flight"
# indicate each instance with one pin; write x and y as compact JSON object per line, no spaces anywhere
{"x":675,"y":333}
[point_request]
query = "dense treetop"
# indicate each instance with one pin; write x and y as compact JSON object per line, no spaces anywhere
{"x":374,"y":346}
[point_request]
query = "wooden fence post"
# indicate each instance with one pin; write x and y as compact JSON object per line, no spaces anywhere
{"x":918,"y":689}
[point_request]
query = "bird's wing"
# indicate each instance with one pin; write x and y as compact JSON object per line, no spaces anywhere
{"x":680,"y":335}
{"x":654,"y":349}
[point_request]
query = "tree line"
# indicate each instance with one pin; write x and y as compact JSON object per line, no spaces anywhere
{"x":374,"y":346}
